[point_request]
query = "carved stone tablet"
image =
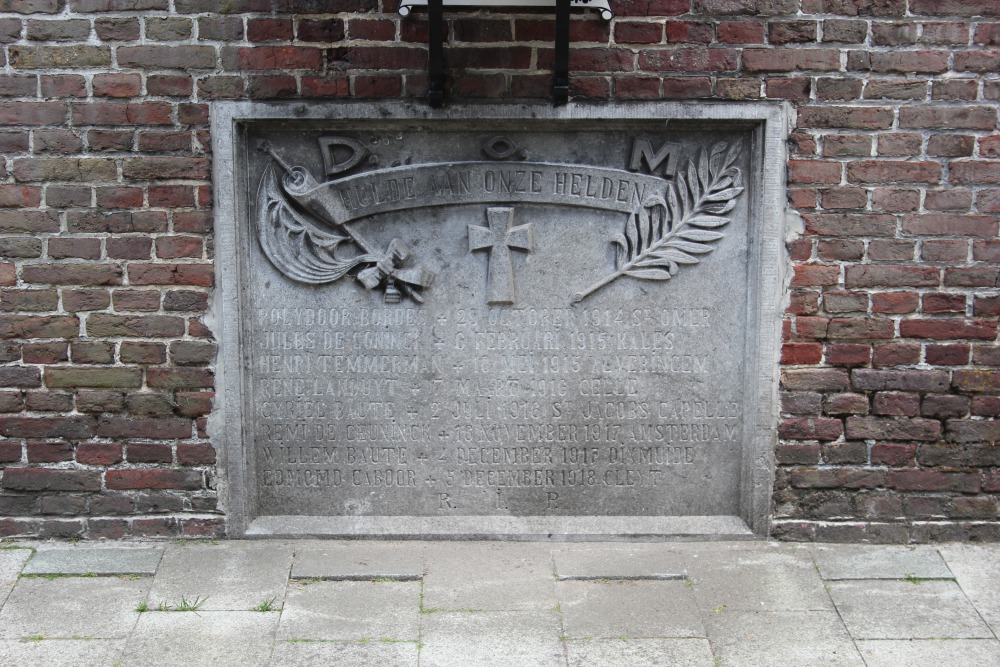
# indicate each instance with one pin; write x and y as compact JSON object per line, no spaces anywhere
{"x":498,"y":321}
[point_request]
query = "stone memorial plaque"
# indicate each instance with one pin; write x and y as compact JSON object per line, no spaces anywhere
{"x":497,"y":320}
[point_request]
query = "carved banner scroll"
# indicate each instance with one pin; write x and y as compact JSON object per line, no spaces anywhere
{"x":302,"y":223}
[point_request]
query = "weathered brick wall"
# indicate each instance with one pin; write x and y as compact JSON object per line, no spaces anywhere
{"x":890,"y":377}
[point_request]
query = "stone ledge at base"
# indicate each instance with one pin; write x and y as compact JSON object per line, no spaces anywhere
{"x":556,"y":529}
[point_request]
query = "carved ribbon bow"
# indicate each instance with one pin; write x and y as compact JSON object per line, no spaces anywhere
{"x":388,"y":268}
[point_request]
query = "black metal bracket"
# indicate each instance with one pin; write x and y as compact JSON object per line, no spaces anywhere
{"x":435,"y":52}
{"x":560,"y":75}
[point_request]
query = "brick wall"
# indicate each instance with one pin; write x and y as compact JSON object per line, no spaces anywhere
{"x":891,"y":366}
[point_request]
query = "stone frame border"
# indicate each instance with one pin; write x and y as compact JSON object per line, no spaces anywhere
{"x":762,"y":345}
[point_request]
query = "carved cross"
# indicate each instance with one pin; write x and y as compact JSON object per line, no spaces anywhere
{"x":499,"y":239}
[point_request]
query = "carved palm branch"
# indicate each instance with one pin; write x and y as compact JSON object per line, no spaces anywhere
{"x":667,"y":233}
{"x":297,"y":248}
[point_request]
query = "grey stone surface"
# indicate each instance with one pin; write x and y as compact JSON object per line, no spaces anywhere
{"x":486,"y":392}
{"x":185,"y":639}
{"x":345,"y":654}
{"x":68,"y":607}
{"x":755,"y":578}
{"x":863,"y":561}
{"x":235,"y":576}
{"x":930,"y":652}
{"x":640,"y":652}
{"x":11,"y":562}
{"x":628,"y":608}
{"x":489,"y":576}
{"x":491,"y":639}
{"x":903,"y":610}
{"x":633,"y":561}
{"x":351,"y":610}
{"x":977,"y":570}
{"x":781,"y":639}
{"x":61,"y":652}
{"x":95,"y":560}
{"x":361,"y":561}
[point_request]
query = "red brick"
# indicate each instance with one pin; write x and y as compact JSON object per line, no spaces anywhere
{"x":896,"y":403}
{"x":182,"y":57}
{"x":201,"y":275}
{"x":846,"y":117}
{"x":942,"y":302}
{"x":153,"y":479}
{"x":932,"y":480}
{"x":972,"y":276}
{"x":631,"y":32}
{"x":979,"y":381}
{"x":26,"y":326}
{"x":888,"y":428}
{"x":845,"y":404}
{"x":142,"y":326}
{"x":848,"y":328}
{"x":195,"y":454}
{"x":814,"y":171}
{"x":740,"y":32}
{"x":940,"y":406}
{"x":818,"y":379}
{"x":155,"y":168}
{"x":891,"y":250}
{"x":801,"y":353}
{"x":43,"y":479}
{"x":845,"y":302}
{"x":947,"y":355}
{"x":974,"y":173}
{"x":948,"y":329}
{"x":895,"y":454}
{"x":883,"y":275}
{"x":810,"y":428}
{"x":49,"y":452}
{"x":850,"y":225}
{"x":882,"y":171}
{"x":848,"y":354}
{"x":791,"y":60}
{"x":895,"y":354}
{"x":163,"y":378}
{"x":149,"y":453}
{"x":864,"y":379}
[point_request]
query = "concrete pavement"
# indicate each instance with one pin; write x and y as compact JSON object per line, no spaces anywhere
{"x":739,"y":604}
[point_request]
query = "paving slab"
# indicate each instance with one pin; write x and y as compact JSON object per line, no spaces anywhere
{"x":232,"y":576}
{"x":61,"y":652}
{"x":621,"y":561}
{"x":489,"y":576}
{"x":351,"y":610}
{"x":615,"y":609}
{"x":217,"y":638}
{"x":781,"y":639}
{"x":640,"y":652}
{"x":100,"y":560}
{"x":756,"y":579}
{"x":73,"y":607}
{"x":930,"y":652}
{"x":360,"y":562}
{"x":12,"y":560}
{"x":977,"y":571}
{"x":487,"y":639}
{"x":904,"y":610}
{"x":345,"y":654}
{"x":862,"y":561}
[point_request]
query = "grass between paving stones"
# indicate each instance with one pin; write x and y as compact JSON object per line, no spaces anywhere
{"x":363,"y":640}
{"x":266,"y":605}
{"x":184,"y":605}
